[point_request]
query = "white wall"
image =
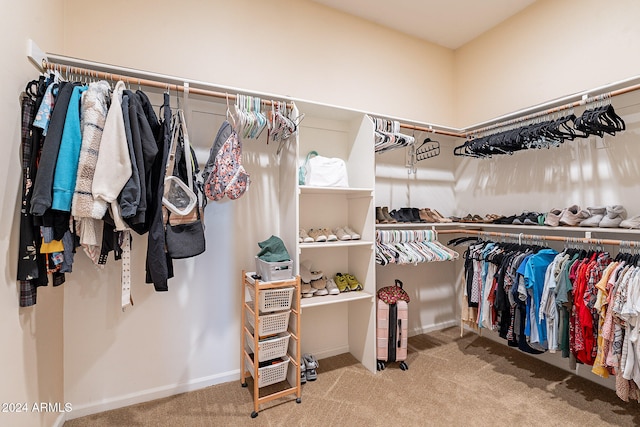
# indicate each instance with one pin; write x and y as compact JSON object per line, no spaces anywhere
{"x":551,"y":49}
{"x":31,"y":358}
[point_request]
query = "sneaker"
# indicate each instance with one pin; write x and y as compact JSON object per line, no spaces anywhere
{"x":304,"y":237}
{"x":553,"y":217}
{"x":354,"y":235}
{"x":342,"y":234}
{"x":320,"y":285}
{"x":330,"y":236}
{"x":332,"y":288}
{"x":341,"y":282}
{"x":573,"y":216}
{"x":597,"y":214}
{"x":317,"y":236}
{"x":352,"y":282}
{"x":614,"y":216}
{"x":633,"y":222}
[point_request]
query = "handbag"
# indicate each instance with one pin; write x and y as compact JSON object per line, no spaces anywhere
{"x":228,"y":177}
{"x":185,"y":240}
{"x":325,"y":171}
{"x":184,"y":229}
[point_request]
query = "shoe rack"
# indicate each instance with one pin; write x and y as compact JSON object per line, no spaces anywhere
{"x":270,"y":338}
{"x":349,"y":316}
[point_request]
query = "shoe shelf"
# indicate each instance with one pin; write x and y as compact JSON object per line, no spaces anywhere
{"x":317,"y":301}
{"x":524,"y":228}
{"x":347,"y":191}
{"x":339,"y":244}
{"x":270,"y":338}
{"x":414,"y":225}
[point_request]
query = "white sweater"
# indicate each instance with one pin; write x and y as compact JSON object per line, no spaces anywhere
{"x":113,"y":167}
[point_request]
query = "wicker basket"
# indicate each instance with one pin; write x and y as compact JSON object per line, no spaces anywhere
{"x":271,"y":374}
{"x":270,"y":348}
{"x":274,"y":299}
{"x":270,"y":324}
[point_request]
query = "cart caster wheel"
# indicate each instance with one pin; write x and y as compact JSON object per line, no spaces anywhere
{"x":404,"y":366}
{"x":381,"y":366}
{"x":299,"y":400}
{"x":244,"y":385}
{"x":254,"y":414}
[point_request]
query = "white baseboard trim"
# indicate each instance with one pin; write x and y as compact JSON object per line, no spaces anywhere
{"x":59,"y":422}
{"x":331,"y":352}
{"x":425,"y":329}
{"x":150,"y":394}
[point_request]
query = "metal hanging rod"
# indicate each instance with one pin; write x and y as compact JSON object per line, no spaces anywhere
{"x":604,"y":92}
{"x":521,"y":236}
{"x":430,"y":129}
{"x":133,"y":77}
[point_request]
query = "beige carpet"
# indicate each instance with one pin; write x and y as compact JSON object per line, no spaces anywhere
{"x":451,"y":381}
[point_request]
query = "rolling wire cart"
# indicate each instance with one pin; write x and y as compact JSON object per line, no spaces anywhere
{"x":270,"y":337}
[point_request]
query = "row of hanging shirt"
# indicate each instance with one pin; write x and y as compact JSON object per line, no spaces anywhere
{"x":548,"y":132}
{"x":410,"y":247}
{"x":579,"y":302}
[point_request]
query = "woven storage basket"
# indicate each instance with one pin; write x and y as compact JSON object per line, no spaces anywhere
{"x":273,"y":373}
{"x":271,"y":348}
{"x":274,"y":299}
{"x":270,"y":324}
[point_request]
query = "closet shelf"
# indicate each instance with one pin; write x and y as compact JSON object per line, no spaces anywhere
{"x":348,"y":243}
{"x":522,"y":228}
{"x":348,"y":191}
{"x":335,"y":299}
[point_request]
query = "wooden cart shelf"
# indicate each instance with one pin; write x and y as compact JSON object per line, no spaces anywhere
{"x":264,"y":324}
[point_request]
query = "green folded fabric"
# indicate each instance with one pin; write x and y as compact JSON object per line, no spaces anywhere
{"x":273,"y":250}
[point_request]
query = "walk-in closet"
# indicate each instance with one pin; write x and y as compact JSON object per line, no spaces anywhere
{"x":470,"y":136}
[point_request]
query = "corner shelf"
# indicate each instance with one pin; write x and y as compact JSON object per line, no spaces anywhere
{"x":335,"y":299}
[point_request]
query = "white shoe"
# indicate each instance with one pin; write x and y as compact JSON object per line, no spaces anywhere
{"x":354,"y":235}
{"x":342,"y":234}
{"x":304,"y":237}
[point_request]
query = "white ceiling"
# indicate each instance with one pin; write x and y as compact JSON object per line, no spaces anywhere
{"x":449,"y":23}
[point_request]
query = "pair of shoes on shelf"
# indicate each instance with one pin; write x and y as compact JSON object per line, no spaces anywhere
{"x":313,"y":281}
{"x":572,"y":216}
{"x":317,"y":235}
{"x":347,"y":282}
{"x":432,"y":215}
{"x":407,"y":215}
{"x":528,"y":218}
{"x":609,"y":217}
{"x":311,"y":366}
{"x":472,"y":218}
{"x":383,"y":216}
{"x":346,"y":233}
{"x":603,"y":217}
{"x":327,"y":235}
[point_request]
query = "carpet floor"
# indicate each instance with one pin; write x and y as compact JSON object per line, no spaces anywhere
{"x":451,"y":381}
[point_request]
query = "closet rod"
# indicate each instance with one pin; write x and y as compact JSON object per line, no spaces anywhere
{"x":552,"y":110}
{"x":430,"y":129}
{"x":132,"y":80}
{"x":541,"y":237}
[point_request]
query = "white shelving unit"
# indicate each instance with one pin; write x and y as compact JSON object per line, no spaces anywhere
{"x":335,"y":324}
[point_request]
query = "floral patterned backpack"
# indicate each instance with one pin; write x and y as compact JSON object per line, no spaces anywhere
{"x":228,"y":177}
{"x":393,"y":294}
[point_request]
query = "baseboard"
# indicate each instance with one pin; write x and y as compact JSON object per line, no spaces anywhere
{"x":425,"y":329}
{"x":150,"y":394}
{"x":331,"y":352}
{"x":59,"y":422}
